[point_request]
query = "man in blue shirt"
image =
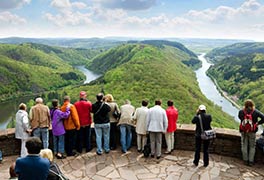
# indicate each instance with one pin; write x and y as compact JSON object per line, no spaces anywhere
{"x":32,"y":167}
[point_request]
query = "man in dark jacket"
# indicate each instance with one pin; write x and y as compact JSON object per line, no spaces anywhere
{"x":100,"y":110}
{"x":248,"y":138}
{"x":206,"y":123}
{"x":32,"y":166}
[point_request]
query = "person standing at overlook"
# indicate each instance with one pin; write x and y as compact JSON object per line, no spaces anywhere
{"x":172,"y":115}
{"x":125,"y":124}
{"x":40,"y":121}
{"x":113,"y":120}
{"x":58,"y":130}
{"x":101,"y":124}
{"x":157,"y":123}
{"x":84,"y":109}
{"x":140,"y":118}
{"x":22,"y":129}
{"x":249,"y":116}
{"x":71,"y":125}
{"x":206,"y":120}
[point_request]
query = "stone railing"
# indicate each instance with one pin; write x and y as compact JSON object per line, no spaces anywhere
{"x":227,"y":142}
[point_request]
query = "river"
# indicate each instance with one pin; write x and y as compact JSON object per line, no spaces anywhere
{"x":90,"y":76}
{"x":209,"y":89}
{"x":8,"y":109}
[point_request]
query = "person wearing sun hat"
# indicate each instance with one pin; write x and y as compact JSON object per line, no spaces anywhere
{"x":84,"y":109}
{"x":206,"y":120}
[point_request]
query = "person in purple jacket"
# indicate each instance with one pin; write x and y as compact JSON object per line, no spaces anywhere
{"x":58,"y":130}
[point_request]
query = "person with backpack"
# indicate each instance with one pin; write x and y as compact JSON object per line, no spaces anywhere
{"x":249,"y":117}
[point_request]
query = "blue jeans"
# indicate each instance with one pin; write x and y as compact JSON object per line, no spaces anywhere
{"x":43,"y":134}
{"x":102,"y":131}
{"x":58,"y":144}
{"x":84,"y":137}
{"x":125,"y":137}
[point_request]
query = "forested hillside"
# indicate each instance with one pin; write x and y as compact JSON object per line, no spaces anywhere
{"x":87,"y":43}
{"x":240,"y":71}
{"x":123,"y":53}
{"x":141,"y":71}
{"x":27,"y":69}
{"x":236,"y":49}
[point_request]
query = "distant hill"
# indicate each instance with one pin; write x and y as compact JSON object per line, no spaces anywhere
{"x":27,"y":69}
{"x":236,"y":49}
{"x":87,"y":43}
{"x":239,"y":70}
{"x":197,"y":45}
{"x":142,"y":71}
{"x":73,"y":56}
{"x":122,"y":54}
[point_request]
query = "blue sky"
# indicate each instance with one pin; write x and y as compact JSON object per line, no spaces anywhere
{"x":230,"y":19}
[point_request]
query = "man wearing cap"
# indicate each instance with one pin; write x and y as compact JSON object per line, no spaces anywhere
{"x":40,"y":121}
{"x":206,"y":123}
{"x":84,"y":109}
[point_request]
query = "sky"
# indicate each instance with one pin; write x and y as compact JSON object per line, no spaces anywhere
{"x":221,"y":19}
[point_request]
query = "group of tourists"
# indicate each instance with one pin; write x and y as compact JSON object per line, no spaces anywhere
{"x":71,"y":127}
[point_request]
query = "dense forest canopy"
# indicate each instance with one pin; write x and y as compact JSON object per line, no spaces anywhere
{"x":239,"y":70}
{"x":31,"y":68}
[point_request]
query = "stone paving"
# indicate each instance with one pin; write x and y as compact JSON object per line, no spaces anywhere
{"x":133,"y":166}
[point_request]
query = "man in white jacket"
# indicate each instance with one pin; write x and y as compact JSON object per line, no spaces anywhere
{"x":140,"y":117}
{"x":157,"y":124}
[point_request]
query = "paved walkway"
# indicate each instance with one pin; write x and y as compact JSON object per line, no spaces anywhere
{"x":133,"y":166}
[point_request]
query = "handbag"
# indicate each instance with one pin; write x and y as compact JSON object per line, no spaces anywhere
{"x":207,"y":134}
{"x":116,"y":114}
{"x":59,"y":173}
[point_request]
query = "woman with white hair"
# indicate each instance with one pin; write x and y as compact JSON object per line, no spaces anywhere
{"x":22,"y":129}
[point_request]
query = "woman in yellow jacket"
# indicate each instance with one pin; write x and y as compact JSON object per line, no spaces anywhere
{"x":71,"y":125}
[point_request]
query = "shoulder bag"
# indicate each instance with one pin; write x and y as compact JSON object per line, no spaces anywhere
{"x":208,"y":134}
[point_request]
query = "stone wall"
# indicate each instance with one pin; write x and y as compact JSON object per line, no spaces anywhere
{"x":227,"y":142}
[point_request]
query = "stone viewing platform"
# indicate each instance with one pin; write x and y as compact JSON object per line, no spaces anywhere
{"x":133,"y":166}
{"x":225,"y":160}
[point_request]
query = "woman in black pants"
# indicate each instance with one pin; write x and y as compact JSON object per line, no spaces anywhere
{"x":206,"y":124}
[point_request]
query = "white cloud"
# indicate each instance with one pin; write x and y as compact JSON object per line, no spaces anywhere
{"x":69,"y":18}
{"x":66,"y":4}
{"x":79,"y":5}
{"x":7,"y":19}
{"x":127,"y":4}
{"x":11,"y":4}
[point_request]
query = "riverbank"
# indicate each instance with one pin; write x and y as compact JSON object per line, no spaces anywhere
{"x":223,"y":93}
